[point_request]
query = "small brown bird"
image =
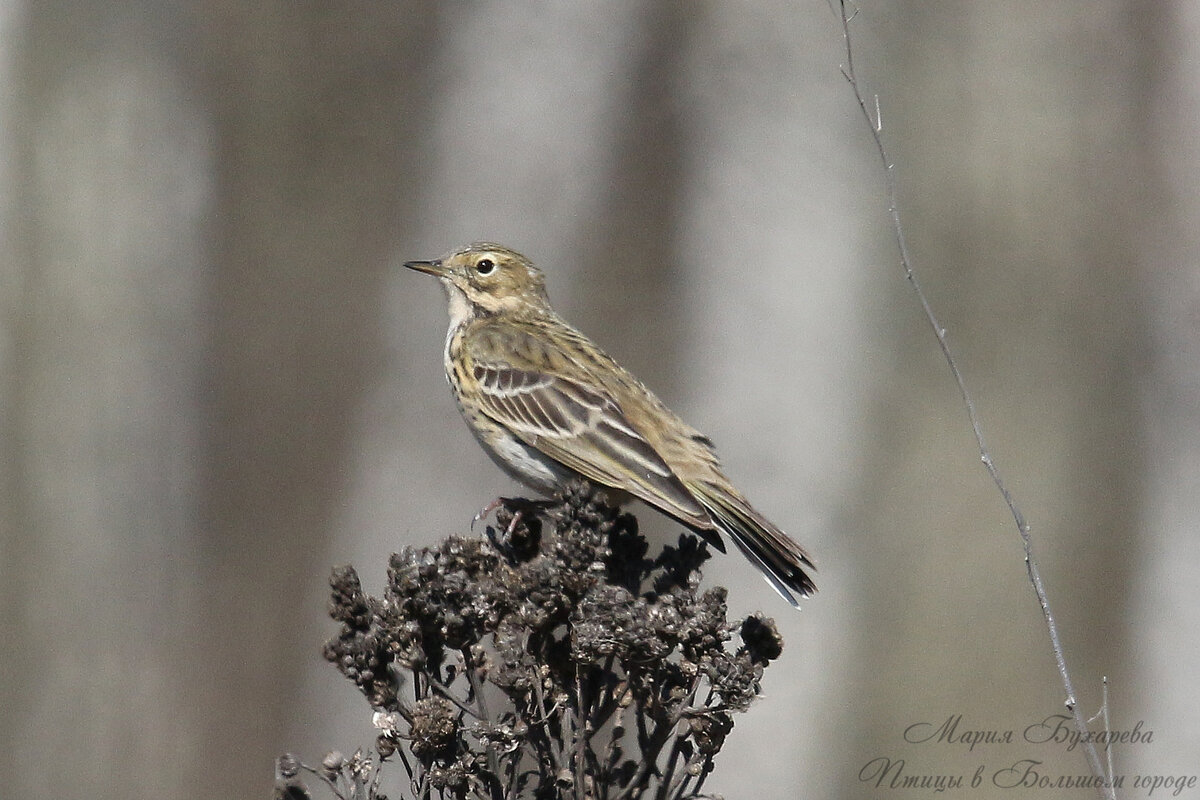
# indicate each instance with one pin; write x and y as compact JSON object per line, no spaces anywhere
{"x":547,"y":405}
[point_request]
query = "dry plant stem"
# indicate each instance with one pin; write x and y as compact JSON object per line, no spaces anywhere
{"x":670,"y":781}
{"x":477,"y":690}
{"x":662,"y":732}
{"x":445,"y":692}
{"x":408,"y":768}
{"x":708,"y":770}
{"x":876,"y":125}
{"x":333,"y":787}
{"x":556,"y":756}
{"x":376,"y":781}
{"x":581,"y":735}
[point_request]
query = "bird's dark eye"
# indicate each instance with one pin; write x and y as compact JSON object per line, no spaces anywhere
{"x":485,"y":266}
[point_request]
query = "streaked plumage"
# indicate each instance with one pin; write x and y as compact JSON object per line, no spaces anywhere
{"x":547,"y":404}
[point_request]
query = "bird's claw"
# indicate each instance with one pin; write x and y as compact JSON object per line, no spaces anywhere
{"x":488,"y":509}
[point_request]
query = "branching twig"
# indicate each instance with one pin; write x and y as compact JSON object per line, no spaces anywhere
{"x":876,"y":125}
{"x":1103,"y":714}
{"x":553,"y":746}
{"x":445,"y":691}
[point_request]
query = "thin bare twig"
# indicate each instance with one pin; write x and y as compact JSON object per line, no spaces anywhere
{"x":1103,"y":714}
{"x":1107,"y":730}
{"x":876,"y":125}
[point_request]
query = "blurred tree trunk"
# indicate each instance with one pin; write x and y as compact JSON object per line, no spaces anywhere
{"x":1015,"y":130}
{"x":314,"y":107}
{"x":104,"y":273}
{"x":629,"y":281}
{"x":206,"y":204}
{"x":773,"y":340}
{"x":1167,"y":598}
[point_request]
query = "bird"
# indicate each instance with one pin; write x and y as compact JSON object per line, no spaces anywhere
{"x":549,"y":406}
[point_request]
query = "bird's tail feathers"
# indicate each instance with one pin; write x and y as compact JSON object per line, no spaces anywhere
{"x":781,"y":560}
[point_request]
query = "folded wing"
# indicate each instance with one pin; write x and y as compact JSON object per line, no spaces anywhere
{"x":583,"y":428}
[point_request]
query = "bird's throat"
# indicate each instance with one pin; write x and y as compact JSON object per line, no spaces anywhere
{"x":461,"y":309}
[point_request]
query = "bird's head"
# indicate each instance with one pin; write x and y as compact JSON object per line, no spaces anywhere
{"x":490,"y":278}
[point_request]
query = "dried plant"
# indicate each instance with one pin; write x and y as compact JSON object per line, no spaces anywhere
{"x":553,"y":659}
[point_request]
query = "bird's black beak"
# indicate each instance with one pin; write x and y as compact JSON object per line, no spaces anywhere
{"x":431,"y":267}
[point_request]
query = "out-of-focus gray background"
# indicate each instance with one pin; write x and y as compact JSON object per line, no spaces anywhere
{"x":216,"y":383}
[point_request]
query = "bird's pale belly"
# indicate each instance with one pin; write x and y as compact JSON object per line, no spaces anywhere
{"x":519,"y":460}
{"x":526,"y":464}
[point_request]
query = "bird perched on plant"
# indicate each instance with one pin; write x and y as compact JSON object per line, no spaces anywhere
{"x":548,"y":405}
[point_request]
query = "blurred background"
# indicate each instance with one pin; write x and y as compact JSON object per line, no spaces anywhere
{"x":216,"y":383}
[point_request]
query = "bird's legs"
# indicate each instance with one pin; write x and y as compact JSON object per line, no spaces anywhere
{"x":519,"y":506}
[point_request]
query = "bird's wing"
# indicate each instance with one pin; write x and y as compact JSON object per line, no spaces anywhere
{"x":576,"y":422}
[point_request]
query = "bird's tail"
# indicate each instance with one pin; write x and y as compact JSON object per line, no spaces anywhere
{"x":781,"y":560}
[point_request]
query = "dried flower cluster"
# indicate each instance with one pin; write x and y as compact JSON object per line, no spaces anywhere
{"x":553,"y":659}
